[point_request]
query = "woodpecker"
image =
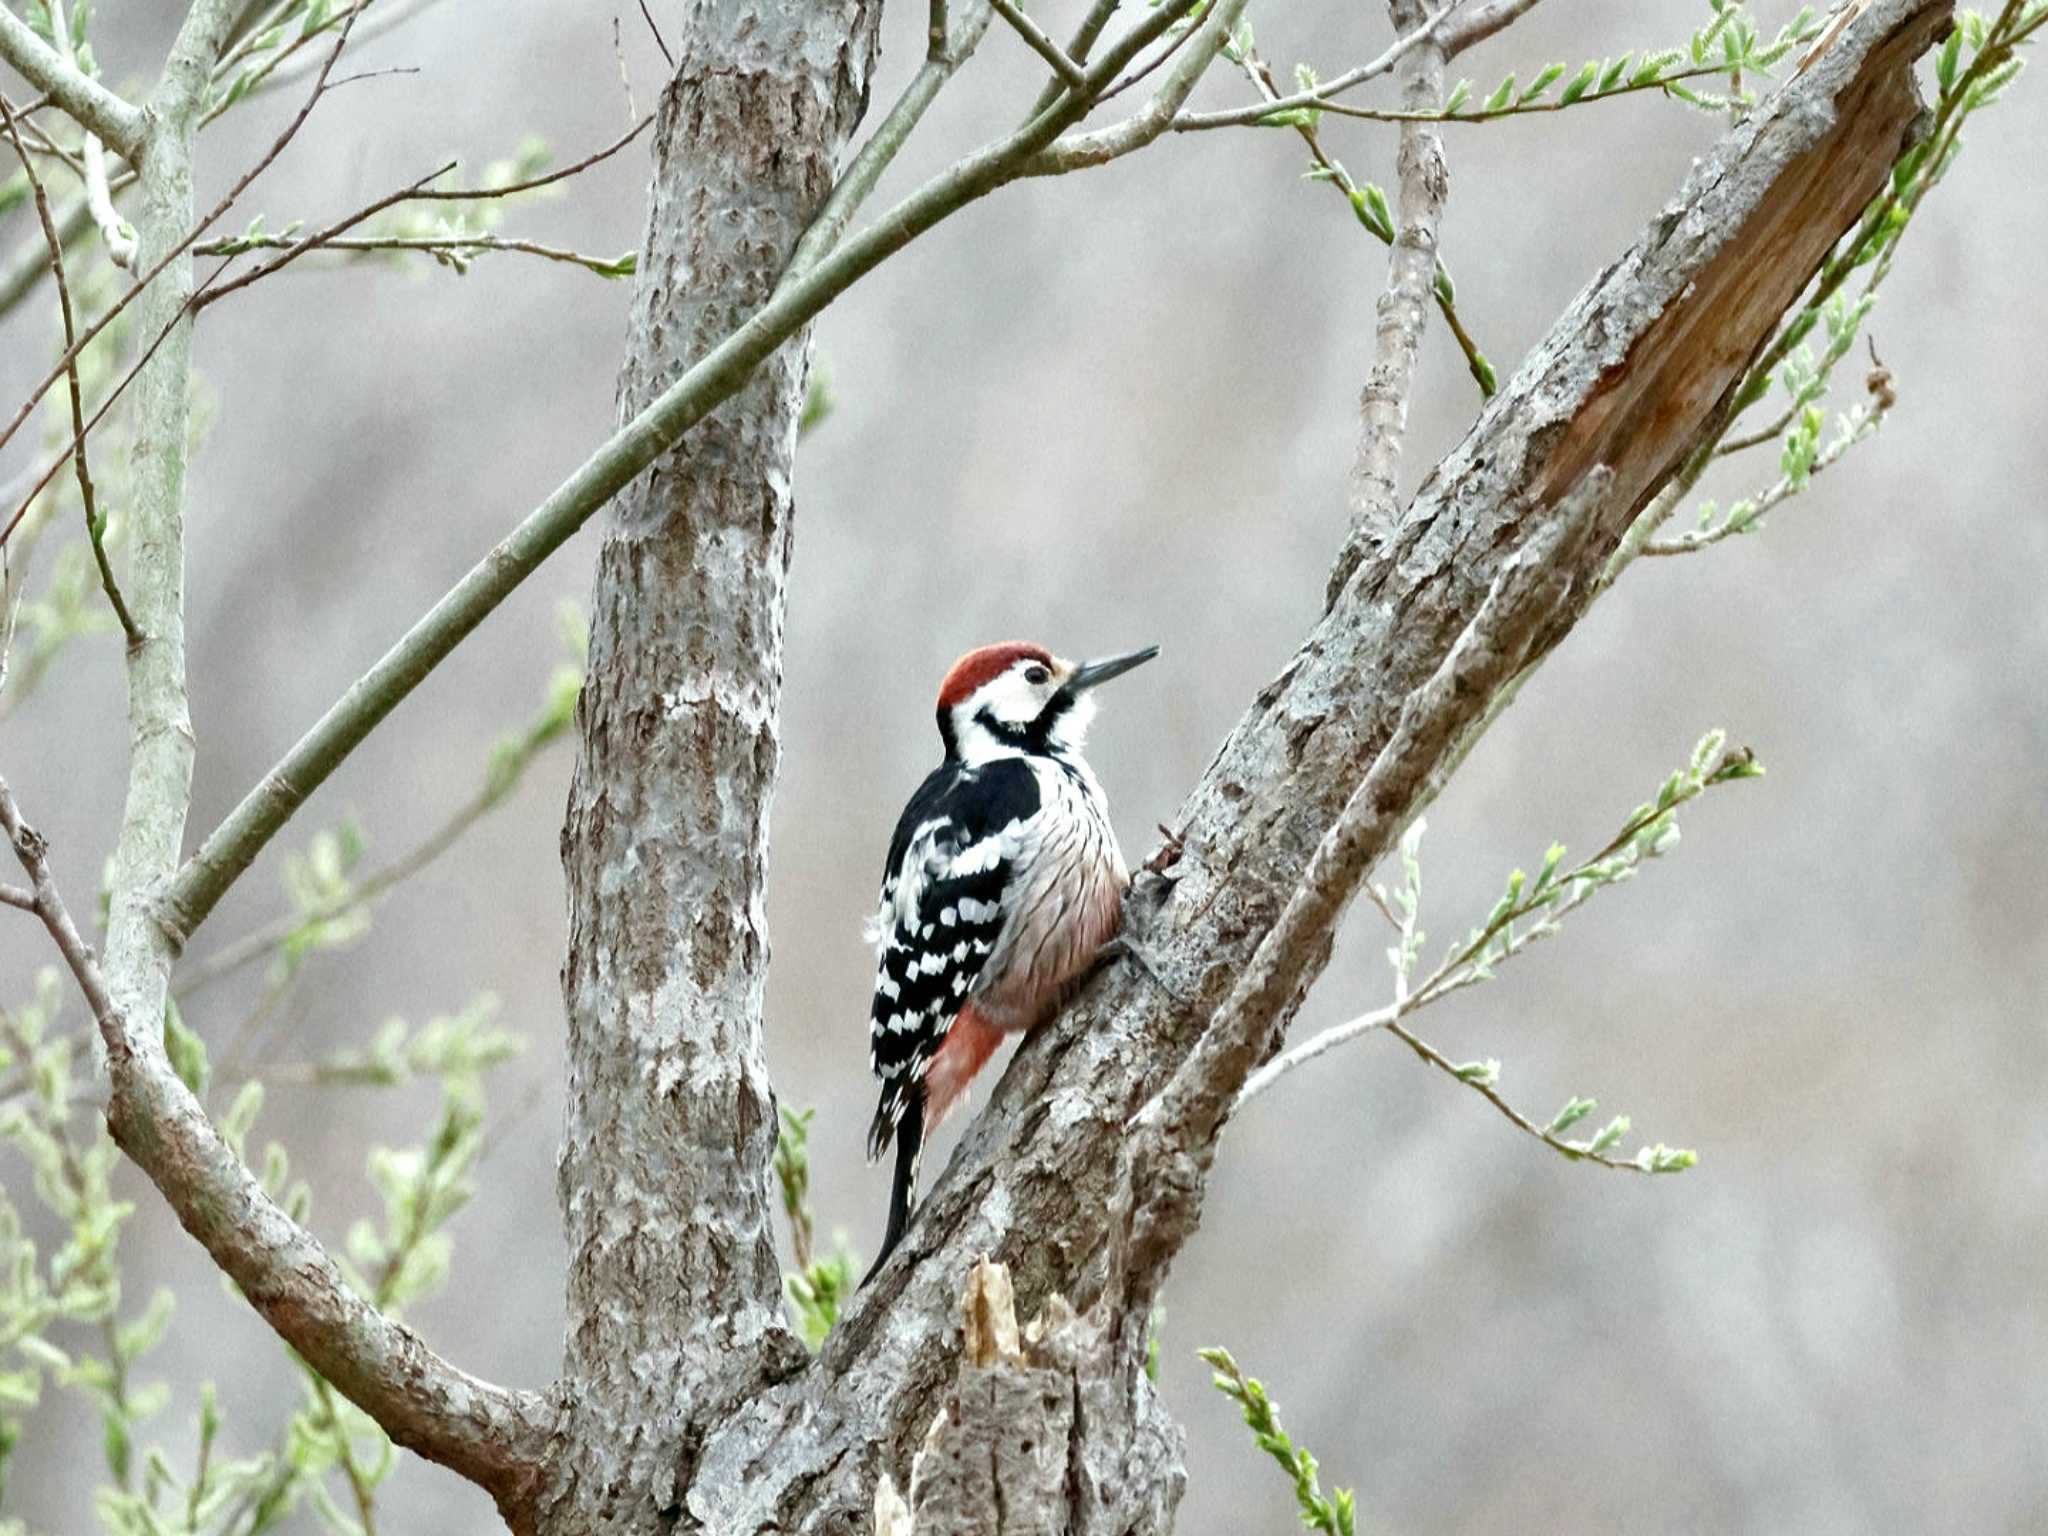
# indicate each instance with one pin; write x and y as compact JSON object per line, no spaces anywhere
{"x":1003,"y":884}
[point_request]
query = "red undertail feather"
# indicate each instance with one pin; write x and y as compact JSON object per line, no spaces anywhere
{"x":965,"y":1051}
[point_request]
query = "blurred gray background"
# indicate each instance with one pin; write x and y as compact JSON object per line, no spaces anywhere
{"x":1119,"y":408}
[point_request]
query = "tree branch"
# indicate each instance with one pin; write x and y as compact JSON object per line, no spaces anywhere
{"x":90,"y":104}
{"x":1631,"y":377}
{"x":1482,"y":22}
{"x":490,"y":1435}
{"x":231,"y":847}
{"x":1175,"y":1134}
{"x":1321,"y":94}
{"x":86,"y":497}
{"x":1140,"y":129}
{"x":118,"y":238}
{"x":1041,"y":45}
{"x":1404,"y":304}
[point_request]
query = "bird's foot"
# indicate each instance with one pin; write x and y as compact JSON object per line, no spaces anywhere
{"x":1167,"y":855}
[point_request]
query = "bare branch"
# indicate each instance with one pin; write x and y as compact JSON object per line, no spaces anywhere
{"x":1042,"y":45}
{"x":90,"y":104}
{"x":1526,"y":601}
{"x":945,"y":52}
{"x":490,"y":1435}
{"x":115,"y":234}
{"x":1482,"y":22}
{"x":176,"y":247}
{"x":1135,"y":132}
{"x":87,"y":499}
{"x":1322,"y":94}
{"x":1085,"y":37}
{"x":1404,"y":305}
{"x":234,"y":844}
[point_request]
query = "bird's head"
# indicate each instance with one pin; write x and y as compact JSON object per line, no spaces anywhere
{"x":1016,"y":697}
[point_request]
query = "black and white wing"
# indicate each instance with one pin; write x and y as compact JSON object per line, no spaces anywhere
{"x":953,"y":854}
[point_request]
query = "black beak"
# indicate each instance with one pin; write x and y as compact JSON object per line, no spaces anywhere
{"x":1090,"y":673}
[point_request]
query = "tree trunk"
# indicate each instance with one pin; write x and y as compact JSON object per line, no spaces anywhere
{"x":674,"y":1287}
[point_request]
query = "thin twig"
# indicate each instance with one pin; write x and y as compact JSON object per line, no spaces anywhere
{"x":118,"y":238}
{"x":229,"y":849}
{"x":1078,"y":47}
{"x":534,"y":184}
{"x":371,"y":888}
{"x":33,"y":852}
{"x":1441,"y":288}
{"x":1482,"y":22}
{"x":1493,"y":1096}
{"x":448,"y":248}
{"x":94,"y":529}
{"x":141,"y":283}
{"x":1042,"y":45}
{"x":15,"y":896}
{"x":1151,"y":65}
{"x":1523,"y":109}
{"x":1077,"y":150}
{"x":135,"y":369}
{"x":890,"y":135}
{"x":666,"y":57}
{"x":1318,"y":96}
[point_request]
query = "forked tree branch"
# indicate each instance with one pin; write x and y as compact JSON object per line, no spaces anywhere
{"x":490,"y":1435}
{"x":232,"y":846}
{"x":91,"y":105}
{"x":1632,"y":377}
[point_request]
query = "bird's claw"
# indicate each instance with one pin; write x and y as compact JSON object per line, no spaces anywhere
{"x":1167,"y":854}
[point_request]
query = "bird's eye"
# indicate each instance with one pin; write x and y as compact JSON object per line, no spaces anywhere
{"x":1036,"y":675}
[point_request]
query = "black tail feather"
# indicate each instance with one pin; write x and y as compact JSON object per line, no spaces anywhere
{"x":903,"y":1191}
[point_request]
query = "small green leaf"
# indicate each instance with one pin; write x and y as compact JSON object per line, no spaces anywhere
{"x":1456,"y":99}
{"x":1500,"y":96}
{"x":1581,"y":82}
{"x":1575,"y":1110}
{"x":1541,"y":84}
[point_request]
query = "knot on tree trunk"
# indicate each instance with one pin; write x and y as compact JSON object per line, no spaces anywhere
{"x":1043,"y":1432}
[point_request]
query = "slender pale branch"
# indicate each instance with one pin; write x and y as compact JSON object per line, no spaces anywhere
{"x":1481,"y":22}
{"x":1141,"y":128}
{"x":91,"y":105}
{"x":1322,"y":94}
{"x":945,"y":52}
{"x":115,"y":234}
{"x":491,"y":1435}
{"x":1403,"y":309}
{"x":175,"y":247}
{"x":88,"y":500}
{"x":234,"y":844}
{"x":448,"y":249}
{"x":1042,"y":45}
{"x":1084,"y":39}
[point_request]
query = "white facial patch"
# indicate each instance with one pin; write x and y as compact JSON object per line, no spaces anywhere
{"x":1011,"y":697}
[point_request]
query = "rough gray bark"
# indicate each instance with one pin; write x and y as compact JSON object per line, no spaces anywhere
{"x":1632,"y":376}
{"x":674,"y":1288}
{"x":1027,"y":1440}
